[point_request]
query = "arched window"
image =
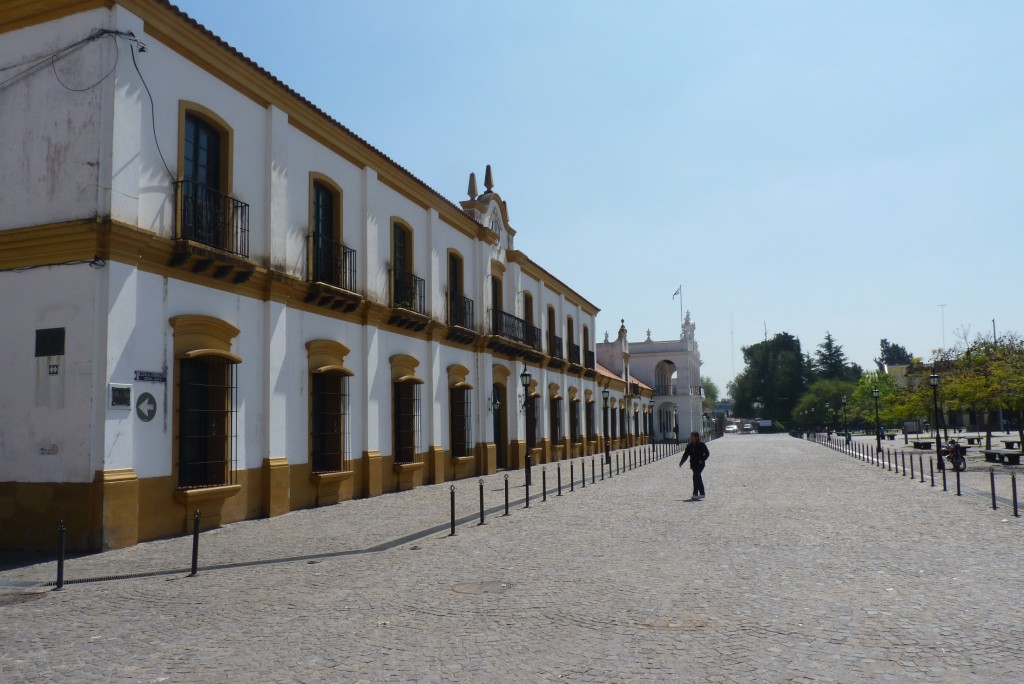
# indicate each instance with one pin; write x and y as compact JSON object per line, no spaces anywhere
{"x":407,"y":290}
{"x":460,"y":411}
{"x":330,"y":261}
{"x":554,"y":341}
{"x":460,"y":308}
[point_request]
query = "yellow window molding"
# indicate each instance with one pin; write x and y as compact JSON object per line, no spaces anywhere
{"x":403,"y":368}
{"x":197,"y":335}
{"x":553,"y":391}
{"x":457,"y":376}
{"x":324,"y":356}
{"x":500,"y":374}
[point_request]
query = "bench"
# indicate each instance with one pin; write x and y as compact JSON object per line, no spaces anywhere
{"x":1007,"y":456}
{"x":891,"y":438}
{"x":924,"y":446}
{"x":974,"y":440}
{"x":1011,"y":443}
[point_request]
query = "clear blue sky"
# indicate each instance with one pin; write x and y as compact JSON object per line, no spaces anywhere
{"x":809,"y":166}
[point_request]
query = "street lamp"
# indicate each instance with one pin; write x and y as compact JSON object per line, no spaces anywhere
{"x":827,"y":428}
{"x":525,"y":378}
{"x":814,"y":428}
{"x":878,"y":423}
{"x":675,"y":415}
{"x":650,"y":420}
{"x":607,"y":448}
{"x":933,"y":380}
{"x":846,"y":424}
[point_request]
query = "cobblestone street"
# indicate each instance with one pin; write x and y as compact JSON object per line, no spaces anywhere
{"x":801,"y":564}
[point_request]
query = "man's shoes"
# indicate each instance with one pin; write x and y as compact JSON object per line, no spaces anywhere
{"x":701,"y":496}
{"x":695,"y":497}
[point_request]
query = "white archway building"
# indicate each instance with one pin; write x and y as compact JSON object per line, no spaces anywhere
{"x":671,"y":367}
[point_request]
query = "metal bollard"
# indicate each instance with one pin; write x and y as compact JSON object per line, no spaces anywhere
{"x":903,"y":458}
{"x":559,"y":468}
{"x":61,"y":546}
{"x":920,"y":464}
{"x":931,"y":470}
{"x":602,"y":470}
{"x":506,"y":493}
{"x":943,"y":480}
{"x":888,"y":457}
{"x":617,"y":471}
{"x":593,"y":474}
{"x":572,"y":477}
{"x":992,"y":479}
{"x":958,"y":483}
{"x":195,"y":540}
{"x":527,"y":493}
{"x":1013,"y":486}
{"x":481,"y":501}
{"x":544,"y":483}
{"x":911,"y":466}
{"x":583,"y":473}
{"x":452,"y":490}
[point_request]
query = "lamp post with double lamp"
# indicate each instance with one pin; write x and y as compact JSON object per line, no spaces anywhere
{"x":607,"y":447}
{"x":846,"y":423}
{"x":525,"y":378}
{"x":650,"y":421}
{"x":933,"y":380}
{"x":828,"y":430}
{"x":878,"y":423}
{"x":675,"y":417}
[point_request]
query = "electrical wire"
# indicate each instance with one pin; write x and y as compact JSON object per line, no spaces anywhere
{"x":95,"y":263}
{"x":117,"y":58}
{"x":152,"y":114}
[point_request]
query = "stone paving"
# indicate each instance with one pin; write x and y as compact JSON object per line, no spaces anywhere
{"x":802,"y":564}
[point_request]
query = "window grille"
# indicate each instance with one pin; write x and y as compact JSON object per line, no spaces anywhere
{"x":460,"y":419}
{"x":329,"y":401}
{"x":574,"y":422}
{"x":207,"y":443}
{"x":406,"y":421}
{"x":591,"y":428}
{"x":556,"y":419}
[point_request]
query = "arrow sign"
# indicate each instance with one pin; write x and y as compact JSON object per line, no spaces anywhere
{"x":145,"y":407}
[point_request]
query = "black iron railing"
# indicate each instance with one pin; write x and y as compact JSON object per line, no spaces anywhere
{"x":588,"y":357}
{"x":574,"y":353}
{"x":408,"y":292}
{"x":555,"y":349}
{"x":333,"y":263}
{"x":460,"y":311}
{"x":210,"y":217}
{"x":534,"y":338}
{"x":507,"y":325}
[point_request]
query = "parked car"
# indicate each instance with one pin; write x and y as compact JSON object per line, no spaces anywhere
{"x":747,"y":427}
{"x":731,"y":428}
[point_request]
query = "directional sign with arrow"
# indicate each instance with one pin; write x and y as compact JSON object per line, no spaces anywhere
{"x":145,"y":407}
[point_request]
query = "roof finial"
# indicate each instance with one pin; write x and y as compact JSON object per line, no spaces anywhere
{"x":488,"y":179}
{"x":472,"y":186}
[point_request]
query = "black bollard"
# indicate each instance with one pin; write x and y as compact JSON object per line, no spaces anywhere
{"x":559,"y":468}
{"x":195,"y":540}
{"x":617,"y":471}
{"x":572,"y":478}
{"x":583,"y":473}
{"x":903,"y":458}
{"x":943,"y":480}
{"x":481,"y":501}
{"x":1013,"y":486}
{"x":593,"y":474}
{"x":920,"y":464}
{"x":544,"y":483}
{"x":602,"y":470}
{"x":506,"y":493}
{"x":958,"y":483}
{"x":452,"y":491}
{"x":527,"y":493}
{"x":61,"y":546}
{"x":931,"y":471}
{"x":992,"y":479}
{"x":911,"y":466}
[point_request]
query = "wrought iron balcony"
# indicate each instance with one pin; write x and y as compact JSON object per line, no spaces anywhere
{"x":460,"y":311}
{"x":574,"y":353}
{"x":555,"y":349}
{"x":665,"y":390}
{"x":208,"y":216}
{"x":408,"y":292}
{"x":588,"y":357}
{"x":507,"y":325}
{"x":333,"y":263}
{"x":534,"y":338}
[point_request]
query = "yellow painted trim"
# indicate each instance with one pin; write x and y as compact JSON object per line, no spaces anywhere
{"x":397,"y":222}
{"x":457,"y":375}
{"x":403,"y":368}
{"x":497,"y":268}
{"x":227,"y":146}
{"x":573,"y":392}
{"x":233,"y":358}
{"x":116,"y":475}
{"x":327,"y":355}
{"x":500,"y":374}
{"x":553,"y":390}
{"x":190,"y":497}
{"x":528,"y":267}
{"x":19,"y":15}
{"x":195,"y":332}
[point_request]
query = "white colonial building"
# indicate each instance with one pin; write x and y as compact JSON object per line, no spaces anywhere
{"x":216,"y":297}
{"x":672,"y":369}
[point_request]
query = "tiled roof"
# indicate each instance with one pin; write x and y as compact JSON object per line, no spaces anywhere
{"x":601,"y":370}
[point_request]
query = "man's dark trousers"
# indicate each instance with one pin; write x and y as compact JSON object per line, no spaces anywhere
{"x":698,"y":481}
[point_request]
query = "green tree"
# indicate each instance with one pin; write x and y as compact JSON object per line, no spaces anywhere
{"x":710,"y":390}
{"x":821,"y":405}
{"x":773,"y":378}
{"x":830,"y":362}
{"x":892,"y":354}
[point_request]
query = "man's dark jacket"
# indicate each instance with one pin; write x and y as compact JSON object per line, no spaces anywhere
{"x":697,"y":453}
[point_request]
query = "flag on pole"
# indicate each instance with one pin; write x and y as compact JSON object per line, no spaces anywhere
{"x":679,"y":291}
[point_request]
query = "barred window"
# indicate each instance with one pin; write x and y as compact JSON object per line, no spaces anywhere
{"x":614,"y":424}
{"x":591,"y":429}
{"x":574,"y":421}
{"x":556,"y":419}
{"x":206,"y":422}
{"x":329,"y":410}
{"x":406,"y":420}
{"x":460,"y":423}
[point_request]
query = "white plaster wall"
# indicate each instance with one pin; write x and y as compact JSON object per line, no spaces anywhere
{"x":50,"y":136}
{"x":37,"y":411}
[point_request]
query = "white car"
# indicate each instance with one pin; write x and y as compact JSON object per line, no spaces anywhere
{"x":747,"y":427}
{"x":731,"y":428}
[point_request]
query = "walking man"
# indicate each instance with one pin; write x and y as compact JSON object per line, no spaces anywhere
{"x":697,"y":452}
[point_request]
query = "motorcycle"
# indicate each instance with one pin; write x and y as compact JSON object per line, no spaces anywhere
{"x":956,"y":455}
